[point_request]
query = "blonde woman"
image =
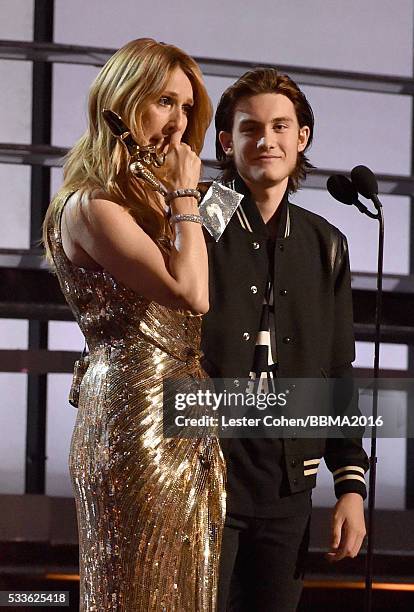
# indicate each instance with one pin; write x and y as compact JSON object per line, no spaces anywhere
{"x":150,"y":510}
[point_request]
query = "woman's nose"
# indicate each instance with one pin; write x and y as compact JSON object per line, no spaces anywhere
{"x":178,"y":121}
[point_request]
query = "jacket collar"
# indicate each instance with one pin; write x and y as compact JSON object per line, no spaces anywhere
{"x":249,"y":217}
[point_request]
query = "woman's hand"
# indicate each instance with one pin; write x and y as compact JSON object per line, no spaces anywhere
{"x":181,"y":169}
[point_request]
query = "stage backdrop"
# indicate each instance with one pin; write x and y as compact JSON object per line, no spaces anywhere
{"x":374,"y":36}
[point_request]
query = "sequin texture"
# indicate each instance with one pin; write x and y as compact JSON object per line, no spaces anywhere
{"x":150,"y":509}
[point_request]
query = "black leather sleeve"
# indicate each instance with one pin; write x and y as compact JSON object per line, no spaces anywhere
{"x":344,"y":457}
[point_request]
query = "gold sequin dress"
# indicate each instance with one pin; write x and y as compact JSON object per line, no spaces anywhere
{"x":150,"y":509}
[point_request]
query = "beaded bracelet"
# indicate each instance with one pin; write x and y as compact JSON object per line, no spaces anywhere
{"x":192,"y":218}
{"x":183,"y":193}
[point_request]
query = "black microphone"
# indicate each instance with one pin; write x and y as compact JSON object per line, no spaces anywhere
{"x":341,"y":188}
{"x":366,"y":183}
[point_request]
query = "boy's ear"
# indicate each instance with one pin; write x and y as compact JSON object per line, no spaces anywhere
{"x":226,"y":142}
{"x":304,"y":133}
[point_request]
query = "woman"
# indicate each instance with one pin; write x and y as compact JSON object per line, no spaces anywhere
{"x":150,"y":510}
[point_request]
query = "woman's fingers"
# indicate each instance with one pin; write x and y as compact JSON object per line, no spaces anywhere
{"x":175,"y":139}
{"x":182,"y":166}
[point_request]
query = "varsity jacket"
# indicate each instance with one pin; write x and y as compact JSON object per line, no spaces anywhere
{"x":313,"y":321}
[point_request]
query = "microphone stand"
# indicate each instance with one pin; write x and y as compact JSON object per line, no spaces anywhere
{"x":342,"y":189}
{"x":373,"y":457}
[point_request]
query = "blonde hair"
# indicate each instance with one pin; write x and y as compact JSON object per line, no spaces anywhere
{"x":131,"y":79}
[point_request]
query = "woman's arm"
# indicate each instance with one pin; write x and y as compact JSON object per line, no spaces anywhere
{"x":107,"y":233}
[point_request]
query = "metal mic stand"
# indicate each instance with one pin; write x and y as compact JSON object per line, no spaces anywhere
{"x":373,"y":457}
{"x":342,"y":189}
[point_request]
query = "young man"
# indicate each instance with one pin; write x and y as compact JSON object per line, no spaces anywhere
{"x":280,"y":305}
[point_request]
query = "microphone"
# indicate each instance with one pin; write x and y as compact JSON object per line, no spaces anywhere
{"x":366,"y":183}
{"x":341,"y":188}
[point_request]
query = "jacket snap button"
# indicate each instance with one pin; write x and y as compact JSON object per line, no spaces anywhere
{"x":246,"y":336}
{"x":295,"y":481}
{"x":281,"y":247}
{"x":293,"y":463}
{"x":253,"y":289}
{"x":283,"y":292}
{"x":256,"y":246}
{"x":287,"y":340}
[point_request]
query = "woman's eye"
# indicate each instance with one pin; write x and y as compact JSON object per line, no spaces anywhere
{"x":165,"y":101}
{"x":187,"y":108}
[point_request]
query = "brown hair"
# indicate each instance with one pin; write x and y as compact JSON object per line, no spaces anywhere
{"x":131,"y":79}
{"x":252,"y":83}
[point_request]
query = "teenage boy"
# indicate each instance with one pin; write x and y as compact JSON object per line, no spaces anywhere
{"x":280,"y":305}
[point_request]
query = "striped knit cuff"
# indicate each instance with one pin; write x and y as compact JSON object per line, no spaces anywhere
{"x":350,"y":479}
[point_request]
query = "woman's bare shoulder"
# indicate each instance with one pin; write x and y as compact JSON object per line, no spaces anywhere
{"x":92,"y":206}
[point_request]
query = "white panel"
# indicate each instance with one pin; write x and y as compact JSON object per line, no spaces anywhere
{"x":16,"y":21}
{"x":15,"y":206}
{"x":350,"y":35}
{"x":391,"y":473}
{"x":13,"y":391}
{"x":65,"y":336}
{"x":392,"y":356}
{"x":362,"y":232}
{"x":56,"y":179}
{"x":70,"y":93}
{"x":13,"y":334}
{"x":390,"y":489}
{"x":356,"y":127}
{"x":15,"y":101}
{"x":60,"y":421}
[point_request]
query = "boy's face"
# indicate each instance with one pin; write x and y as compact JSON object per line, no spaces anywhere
{"x":265,"y":139}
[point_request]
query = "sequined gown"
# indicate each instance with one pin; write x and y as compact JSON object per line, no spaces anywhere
{"x":150,"y":509}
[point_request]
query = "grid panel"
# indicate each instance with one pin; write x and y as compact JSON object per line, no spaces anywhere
{"x":15,"y":211}
{"x":401,"y":59}
{"x":15,"y":101}
{"x":13,"y":334}
{"x":69,"y":109}
{"x":60,"y":422}
{"x":392,"y":356}
{"x":368,"y":36}
{"x":16,"y":21}
{"x":13,"y":390}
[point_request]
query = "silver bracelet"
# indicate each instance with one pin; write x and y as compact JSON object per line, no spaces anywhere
{"x":192,"y":218}
{"x":183,"y":193}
